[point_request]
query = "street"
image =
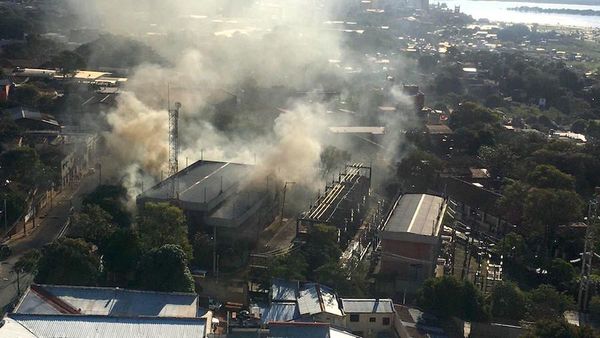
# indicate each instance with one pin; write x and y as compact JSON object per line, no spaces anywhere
{"x":50,"y":222}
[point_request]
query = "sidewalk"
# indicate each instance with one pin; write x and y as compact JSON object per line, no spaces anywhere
{"x":61,"y":203}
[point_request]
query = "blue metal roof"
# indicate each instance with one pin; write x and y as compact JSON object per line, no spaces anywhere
{"x":281,"y":312}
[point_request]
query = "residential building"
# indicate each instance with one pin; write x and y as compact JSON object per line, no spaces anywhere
{"x":368,"y":317}
{"x":29,"y":120}
{"x":293,"y":301}
{"x":305,"y":330}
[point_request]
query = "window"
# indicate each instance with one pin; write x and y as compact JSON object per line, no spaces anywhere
{"x":372,"y":319}
{"x":386,"y":321}
{"x":354,"y":318}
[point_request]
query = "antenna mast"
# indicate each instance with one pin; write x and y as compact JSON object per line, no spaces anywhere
{"x":588,"y":254}
{"x":174,"y":146}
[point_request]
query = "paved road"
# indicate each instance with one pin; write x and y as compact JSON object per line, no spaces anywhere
{"x":50,"y":221}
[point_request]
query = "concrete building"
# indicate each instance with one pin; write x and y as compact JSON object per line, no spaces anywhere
{"x":218,"y":195}
{"x":410,"y":240}
{"x":368,"y":317}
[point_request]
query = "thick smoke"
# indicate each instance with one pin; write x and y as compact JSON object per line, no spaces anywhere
{"x":216,"y":48}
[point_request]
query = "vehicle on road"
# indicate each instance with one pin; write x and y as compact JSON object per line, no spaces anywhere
{"x":5,"y":251}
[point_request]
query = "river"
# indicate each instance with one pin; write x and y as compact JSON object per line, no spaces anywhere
{"x":498,"y":11}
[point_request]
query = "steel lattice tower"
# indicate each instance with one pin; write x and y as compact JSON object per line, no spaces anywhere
{"x":174,"y":146}
{"x":587,"y":255}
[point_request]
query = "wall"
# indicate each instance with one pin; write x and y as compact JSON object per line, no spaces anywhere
{"x":368,"y":329}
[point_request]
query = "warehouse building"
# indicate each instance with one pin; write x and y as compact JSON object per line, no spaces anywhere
{"x":53,"y":311}
{"x":216,"y":196}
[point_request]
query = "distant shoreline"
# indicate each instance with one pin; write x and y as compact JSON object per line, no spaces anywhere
{"x":554,"y":2}
{"x":584,"y":12}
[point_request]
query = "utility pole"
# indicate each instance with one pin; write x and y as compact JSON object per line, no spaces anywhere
{"x":283,"y":200}
{"x":5,"y":218}
{"x":214,"y":249}
{"x":99,"y":166}
{"x":588,"y":254}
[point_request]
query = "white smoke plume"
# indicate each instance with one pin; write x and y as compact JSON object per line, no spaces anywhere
{"x":220,"y":46}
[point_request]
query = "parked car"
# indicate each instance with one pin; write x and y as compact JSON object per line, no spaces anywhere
{"x":5,"y":251}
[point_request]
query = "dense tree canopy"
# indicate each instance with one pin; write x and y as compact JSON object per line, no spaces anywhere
{"x":111,"y":198}
{"x":68,"y":262}
{"x":92,"y":224}
{"x":165,"y":269}
{"x":162,"y":223}
{"x":446,"y":297}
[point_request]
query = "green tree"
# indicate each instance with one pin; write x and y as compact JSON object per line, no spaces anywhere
{"x":594,"y":307}
{"x":547,"y":176}
{"x":121,"y":254}
{"x":111,"y":198}
{"x":561,"y":274}
{"x":165,"y":269}
{"x":93,"y":224}
{"x":550,"y":207}
{"x":419,"y":169}
{"x":559,"y":328}
{"x":26,"y":95}
{"x":162,"y":223}
{"x":68,"y":261}
{"x":512,"y":246}
{"x":512,"y":201}
{"x":27,"y":264}
{"x":470,"y":114}
{"x":500,"y":160}
{"x":68,"y":62}
{"x":446,"y":297}
{"x":290,"y":267}
{"x":321,"y":246}
{"x":333,"y":158}
{"x":508,"y":301}
{"x":545,"y":302}
{"x":22,"y":165}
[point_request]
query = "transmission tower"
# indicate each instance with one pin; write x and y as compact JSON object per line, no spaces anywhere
{"x":588,"y":254}
{"x":174,"y":146}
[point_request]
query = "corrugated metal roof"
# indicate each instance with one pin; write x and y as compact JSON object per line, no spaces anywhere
{"x":202,"y":182}
{"x":78,"y":326}
{"x":305,"y":330}
{"x":111,"y":302}
{"x":315,"y":298}
{"x":415,"y":213}
{"x":367,"y":305}
{"x":283,"y":290}
{"x":308,"y":302}
{"x":281,"y":312}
